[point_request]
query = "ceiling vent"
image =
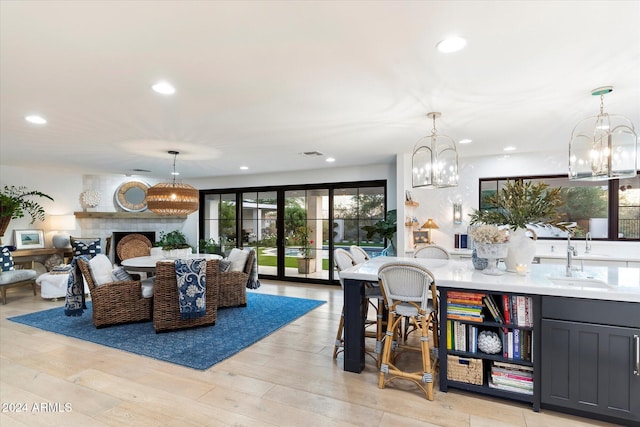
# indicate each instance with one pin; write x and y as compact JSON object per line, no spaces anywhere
{"x":312,"y":154}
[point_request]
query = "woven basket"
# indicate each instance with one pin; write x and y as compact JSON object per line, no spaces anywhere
{"x":132,"y":246}
{"x":464,"y":370}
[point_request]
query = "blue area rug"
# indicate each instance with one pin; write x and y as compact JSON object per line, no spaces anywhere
{"x":199,"y":348}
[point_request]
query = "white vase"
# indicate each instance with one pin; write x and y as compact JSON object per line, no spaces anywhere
{"x":522,"y":249}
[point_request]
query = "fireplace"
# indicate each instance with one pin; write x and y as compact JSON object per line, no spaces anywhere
{"x":119,"y":235}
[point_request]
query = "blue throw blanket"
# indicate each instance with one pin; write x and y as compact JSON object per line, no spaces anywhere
{"x":253,"y":282}
{"x":192,"y":287}
{"x":74,"y":303}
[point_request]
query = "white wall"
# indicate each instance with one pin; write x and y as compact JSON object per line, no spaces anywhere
{"x":438,"y":203}
{"x":66,"y":188}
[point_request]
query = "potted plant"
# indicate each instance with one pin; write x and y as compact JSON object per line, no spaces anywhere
{"x":386,"y":229}
{"x":209,"y":246}
{"x":15,"y":202}
{"x":306,"y":263}
{"x":174,"y":244}
{"x":520,"y":205}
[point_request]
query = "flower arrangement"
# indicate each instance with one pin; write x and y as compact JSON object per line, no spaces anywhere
{"x":91,"y":198}
{"x":489,"y":234}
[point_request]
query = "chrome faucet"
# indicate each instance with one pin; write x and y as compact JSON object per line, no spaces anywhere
{"x":587,"y":240}
{"x":571,"y":252}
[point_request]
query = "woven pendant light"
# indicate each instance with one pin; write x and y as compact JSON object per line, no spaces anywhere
{"x":173,"y":198}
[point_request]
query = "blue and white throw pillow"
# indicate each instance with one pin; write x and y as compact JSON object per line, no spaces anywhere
{"x":6,"y":260}
{"x":90,"y":249}
{"x":120,"y":273}
{"x":225,"y":264}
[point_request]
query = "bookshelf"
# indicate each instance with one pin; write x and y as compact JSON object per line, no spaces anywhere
{"x":489,"y":343}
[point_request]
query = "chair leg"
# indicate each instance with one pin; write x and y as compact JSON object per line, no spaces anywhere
{"x":386,"y":350}
{"x":339,"y":342}
{"x":426,"y":358}
{"x":33,"y":285}
{"x":4,"y":295}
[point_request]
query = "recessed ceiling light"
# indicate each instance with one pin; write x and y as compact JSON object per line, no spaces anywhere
{"x":35,"y":119}
{"x":509,"y":148}
{"x":164,"y":88}
{"x":330,"y":160}
{"x":464,"y":141}
{"x":244,"y":168}
{"x":451,"y":44}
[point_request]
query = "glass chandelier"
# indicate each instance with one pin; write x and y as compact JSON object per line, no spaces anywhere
{"x":603,"y":146}
{"x":435,"y":160}
{"x":173,"y":198}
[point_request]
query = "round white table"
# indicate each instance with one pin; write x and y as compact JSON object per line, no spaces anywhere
{"x":147,"y":264}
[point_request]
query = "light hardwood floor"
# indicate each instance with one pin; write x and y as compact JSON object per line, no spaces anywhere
{"x":287,"y":379}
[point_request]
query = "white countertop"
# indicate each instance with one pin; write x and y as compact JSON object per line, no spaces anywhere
{"x":633,"y":255}
{"x":622,"y":283}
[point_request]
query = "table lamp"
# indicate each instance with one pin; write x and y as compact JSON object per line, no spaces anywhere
{"x":61,"y":224}
{"x":429,"y":225}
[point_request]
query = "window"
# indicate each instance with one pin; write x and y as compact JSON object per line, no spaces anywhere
{"x":608,"y":210}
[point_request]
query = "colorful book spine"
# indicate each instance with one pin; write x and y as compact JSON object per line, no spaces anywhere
{"x":507,"y":312}
{"x":521,"y":310}
{"x":516,"y":343}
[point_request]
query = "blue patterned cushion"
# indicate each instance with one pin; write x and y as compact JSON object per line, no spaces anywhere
{"x":90,"y":249}
{"x":121,"y":274}
{"x":6,"y":260}
{"x":224,"y":265}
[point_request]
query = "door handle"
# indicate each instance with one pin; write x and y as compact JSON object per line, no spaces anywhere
{"x":636,"y":342}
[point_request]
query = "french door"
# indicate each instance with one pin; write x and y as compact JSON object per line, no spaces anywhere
{"x":294,"y":229}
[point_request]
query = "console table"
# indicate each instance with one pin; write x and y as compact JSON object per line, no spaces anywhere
{"x":28,"y":253}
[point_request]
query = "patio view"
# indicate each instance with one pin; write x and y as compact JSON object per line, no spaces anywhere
{"x":295,"y":231}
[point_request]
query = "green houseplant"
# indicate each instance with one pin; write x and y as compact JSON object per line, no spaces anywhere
{"x":385,"y":228}
{"x":305,"y":263}
{"x":519,"y":205}
{"x":16,"y":202}
{"x":173,"y":240}
{"x":209,"y":246}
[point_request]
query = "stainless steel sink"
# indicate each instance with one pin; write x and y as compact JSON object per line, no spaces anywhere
{"x":580,"y":278}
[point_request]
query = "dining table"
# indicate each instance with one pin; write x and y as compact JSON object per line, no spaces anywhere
{"x":147,"y":264}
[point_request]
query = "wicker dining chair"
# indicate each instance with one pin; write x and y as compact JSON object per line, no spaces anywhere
{"x":408,"y":289}
{"x":432,"y":251}
{"x":233,"y":285}
{"x":359,"y":255}
{"x":116,"y":302}
{"x":166,"y":307}
{"x":343,"y":259}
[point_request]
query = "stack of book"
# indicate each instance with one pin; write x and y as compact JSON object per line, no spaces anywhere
{"x":517,"y":344}
{"x":517,"y":310}
{"x":465,"y":306}
{"x":462,"y":337}
{"x":511,"y":377}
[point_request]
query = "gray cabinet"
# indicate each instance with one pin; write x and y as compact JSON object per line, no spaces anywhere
{"x":590,"y":358}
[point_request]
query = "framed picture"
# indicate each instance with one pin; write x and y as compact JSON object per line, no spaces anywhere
{"x":29,"y":239}
{"x":420,"y":237}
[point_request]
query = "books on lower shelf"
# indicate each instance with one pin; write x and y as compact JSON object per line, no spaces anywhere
{"x":517,"y":344}
{"x":462,"y":337}
{"x":511,"y":377}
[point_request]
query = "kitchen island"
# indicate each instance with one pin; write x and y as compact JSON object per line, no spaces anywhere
{"x":585,"y":332}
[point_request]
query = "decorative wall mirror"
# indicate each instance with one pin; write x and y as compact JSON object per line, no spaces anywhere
{"x":131,"y":196}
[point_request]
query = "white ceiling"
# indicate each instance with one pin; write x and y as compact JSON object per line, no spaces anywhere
{"x":260,"y":82}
